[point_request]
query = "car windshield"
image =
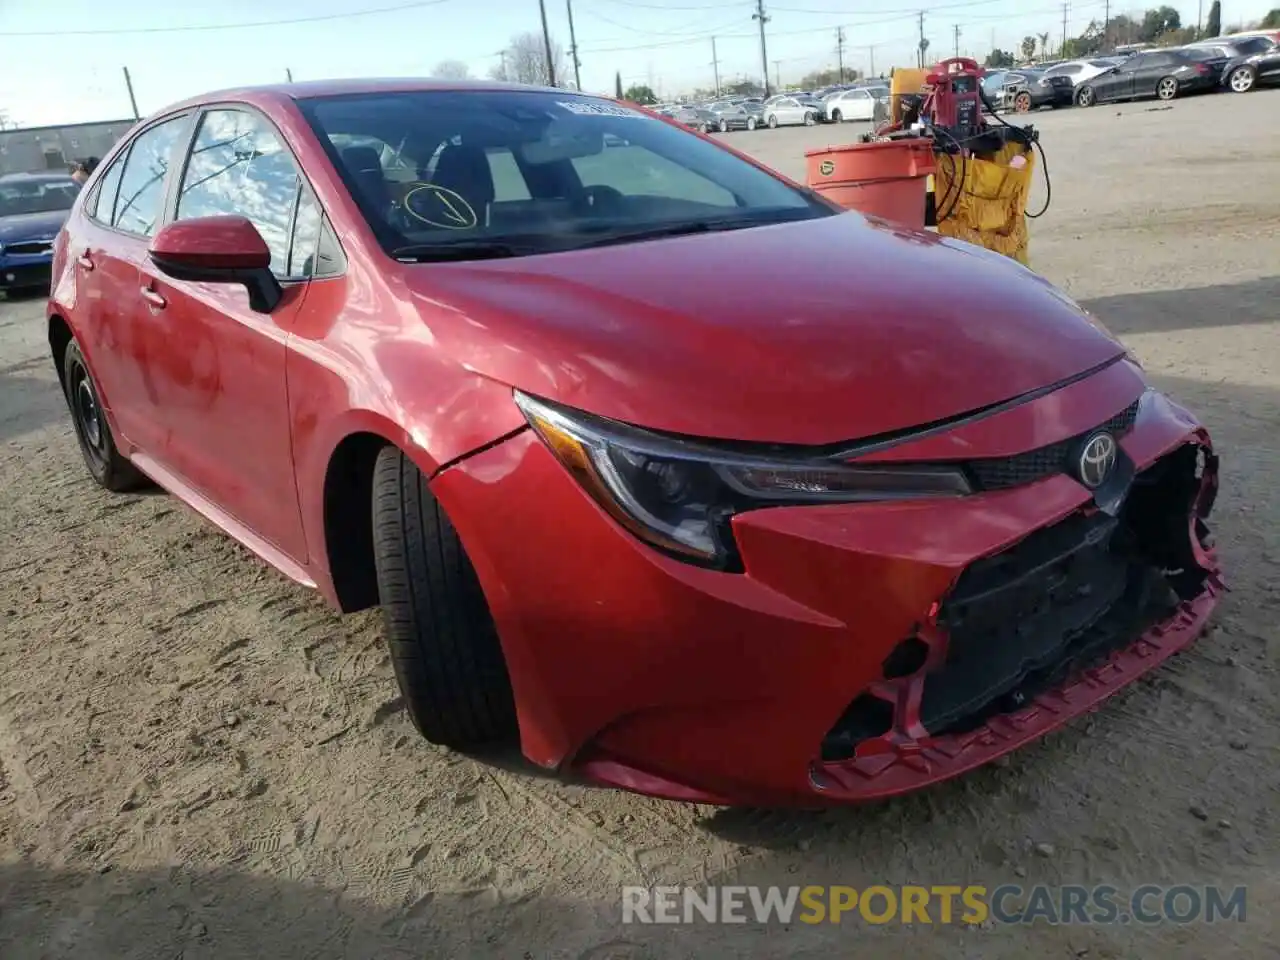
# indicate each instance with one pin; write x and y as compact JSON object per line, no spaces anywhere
{"x":37,"y":196}
{"x":501,"y":173}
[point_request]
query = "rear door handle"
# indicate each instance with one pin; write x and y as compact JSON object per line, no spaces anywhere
{"x":153,"y":298}
{"x":84,"y":261}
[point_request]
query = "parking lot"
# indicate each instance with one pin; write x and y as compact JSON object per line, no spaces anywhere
{"x":199,"y":759}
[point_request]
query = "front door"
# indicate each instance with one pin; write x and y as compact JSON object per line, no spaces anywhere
{"x":220,"y":386}
{"x":1154,"y":67}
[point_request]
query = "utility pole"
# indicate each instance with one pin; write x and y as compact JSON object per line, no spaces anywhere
{"x":288,"y":74}
{"x":1199,"y":19}
{"x":760,"y":18}
{"x":1106,"y":25}
{"x":777,"y":70}
{"x":956,"y":30}
{"x":546,"y":40}
{"x":920,"y":48}
{"x":573,"y":46}
{"x":871,"y":52}
{"x":1063,"y":51}
{"x":840,"y":50}
{"x":133,"y":101}
{"x":715,"y":65}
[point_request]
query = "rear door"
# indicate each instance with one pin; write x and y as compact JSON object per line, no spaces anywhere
{"x":122,"y":214}
{"x":222,"y":387}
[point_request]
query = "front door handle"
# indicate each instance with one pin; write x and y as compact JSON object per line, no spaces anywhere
{"x":153,"y":298}
{"x":84,"y":261}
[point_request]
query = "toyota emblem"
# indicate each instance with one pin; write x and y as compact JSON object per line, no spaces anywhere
{"x":1097,"y":460}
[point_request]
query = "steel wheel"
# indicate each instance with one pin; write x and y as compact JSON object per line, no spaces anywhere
{"x":1242,"y":79}
{"x":1085,"y":97}
{"x":1167,"y":89}
{"x":86,"y":414}
{"x":1022,"y":103}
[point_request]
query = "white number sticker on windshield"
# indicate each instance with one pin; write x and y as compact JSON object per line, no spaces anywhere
{"x":584,"y":109}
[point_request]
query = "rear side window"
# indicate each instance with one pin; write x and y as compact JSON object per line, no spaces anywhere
{"x":103,"y":207}
{"x":140,"y":198}
{"x":239,"y":166}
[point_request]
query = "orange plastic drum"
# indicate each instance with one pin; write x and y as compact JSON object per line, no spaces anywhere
{"x":884,"y":179}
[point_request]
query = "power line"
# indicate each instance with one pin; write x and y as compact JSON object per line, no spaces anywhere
{"x":318,"y":18}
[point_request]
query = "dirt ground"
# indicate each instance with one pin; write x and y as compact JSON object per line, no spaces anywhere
{"x":198,"y":759}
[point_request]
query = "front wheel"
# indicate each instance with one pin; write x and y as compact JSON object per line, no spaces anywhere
{"x":751,"y":123}
{"x":1085,"y":97}
{"x":724,"y":126}
{"x":1242,"y":79}
{"x":1167,"y":88}
{"x":810,"y":119}
{"x":773,"y":122}
{"x":106,"y":465}
{"x":837,"y":116}
{"x":1022,"y":103}
{"x":444,"y":646}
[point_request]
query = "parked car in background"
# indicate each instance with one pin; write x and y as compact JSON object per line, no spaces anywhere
{"x":737,"y":116}
{"x":1079,"y":71}
{"x":1242,"y":65}
{"x":856,"y":104}
{"x":33,"y":207}
{"x":1026,"y":90}
{"x":1158,"y":73}
{"x":695,"y":118}
{"x":788,"y":110}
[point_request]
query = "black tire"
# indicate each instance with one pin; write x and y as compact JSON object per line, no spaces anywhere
{"x":1167,"y":88}
{"x":837,"y":116}
{"x":1085,"y":97}
{"x":1242,"y":79}
{"x":444,"y":646}
{"x":810,"y":119}
{"x":98,"y":447}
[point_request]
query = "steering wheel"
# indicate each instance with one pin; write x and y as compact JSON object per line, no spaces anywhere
{"x":598,"y":199}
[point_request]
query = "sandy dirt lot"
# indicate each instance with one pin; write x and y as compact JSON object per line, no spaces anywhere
{"x":198,"y":759}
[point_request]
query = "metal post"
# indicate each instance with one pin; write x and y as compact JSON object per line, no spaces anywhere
{"x":573,"y":46}
{"x":840,"y":50}
{"x":871,"y":50}
{"x":764,"y":54}
{"x":288,"y":74}
{"x":133,"y":101}
{"x":546,"y":39}
{"x":920,"y":48}
{"x":957,"y":39}
{"x":777,"y":74}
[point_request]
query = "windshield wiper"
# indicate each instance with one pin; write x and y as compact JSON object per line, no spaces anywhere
{"x":458,"y":250}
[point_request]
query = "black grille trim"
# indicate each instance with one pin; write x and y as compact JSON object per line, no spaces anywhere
{"x":1001,"y":473}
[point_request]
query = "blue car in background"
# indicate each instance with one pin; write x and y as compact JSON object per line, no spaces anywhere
{"x":33,"y":207}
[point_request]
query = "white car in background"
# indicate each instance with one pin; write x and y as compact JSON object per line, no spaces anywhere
{"x":787,"y":110}
{"x":1081,"y":70}
{"x":856,"y":104}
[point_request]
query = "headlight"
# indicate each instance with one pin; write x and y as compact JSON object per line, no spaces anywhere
{"x":679,"y":495}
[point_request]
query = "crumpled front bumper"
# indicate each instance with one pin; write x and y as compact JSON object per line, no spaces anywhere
{"x":639,"y":671}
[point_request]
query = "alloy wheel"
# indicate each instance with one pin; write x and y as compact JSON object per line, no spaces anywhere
{"x":1168,"y":89}
{"x":1242,"y":80}
{"x":773,"y":122}
{"x":724,"y":126}
{"x":751,"y":123}
{"x":1085,"y":97}
{"x":1022,"y":103}
{"x":810,"y":119}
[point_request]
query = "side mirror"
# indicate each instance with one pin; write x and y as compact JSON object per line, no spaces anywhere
{"x":218,"y":250}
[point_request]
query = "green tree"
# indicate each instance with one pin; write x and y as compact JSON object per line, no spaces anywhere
{"x":825,"y":78}
{"x":1213,"y":27}
{"x":1044,"y":45}
{"x":639,"y":93}
{"x":1271,"y":21}
{"x":1159,"y":21}
{"x":617,"y":85}
{"x":999,"y":58}
{"x":1028,"y":48}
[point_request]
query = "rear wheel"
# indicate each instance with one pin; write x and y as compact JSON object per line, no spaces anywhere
{"x":1085,"y":97}
{"x":837,"y":116}
{"x":1022,"y":102}
{"x":810,"y":119}
{"x":751,"y":123}
{"x":1167,"y":88}
{"x":1242,"y":79}
{"x":773,"y":121}
{"x":98,"y":447}
{"x":444,"y":646}
{"x":724,"y":126}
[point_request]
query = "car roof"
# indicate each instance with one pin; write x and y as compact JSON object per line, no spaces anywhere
{"x":275,"y":93}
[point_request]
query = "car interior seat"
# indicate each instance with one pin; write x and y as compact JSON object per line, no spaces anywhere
{"x":365,"y":167}
{"x":465,"y":170}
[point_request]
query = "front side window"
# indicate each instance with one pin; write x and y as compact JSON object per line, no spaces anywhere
{"x":140,"y":199}
{"x":536,"y":172}
{"x":239,"y":166}
{"x":103,"y":203}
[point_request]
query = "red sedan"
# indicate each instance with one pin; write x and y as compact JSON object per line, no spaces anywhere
{"x":453,"y":349}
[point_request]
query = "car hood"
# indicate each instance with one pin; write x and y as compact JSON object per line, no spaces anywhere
{"x":813,"y":332}
{"x":32,"y":226}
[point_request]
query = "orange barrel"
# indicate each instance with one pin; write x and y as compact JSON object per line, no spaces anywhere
{"x":884,"y":179}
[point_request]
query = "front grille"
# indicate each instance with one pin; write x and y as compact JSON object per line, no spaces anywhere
{"x":1000,"y":473}
{"x":28,"y":248}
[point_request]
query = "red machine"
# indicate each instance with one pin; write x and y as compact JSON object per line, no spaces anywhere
{"x":955,"y":101}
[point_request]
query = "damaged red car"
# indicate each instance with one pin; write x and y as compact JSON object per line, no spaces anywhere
{"x":806,"y":537}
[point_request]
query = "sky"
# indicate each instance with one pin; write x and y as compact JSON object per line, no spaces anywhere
{"x":63,"y":62}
